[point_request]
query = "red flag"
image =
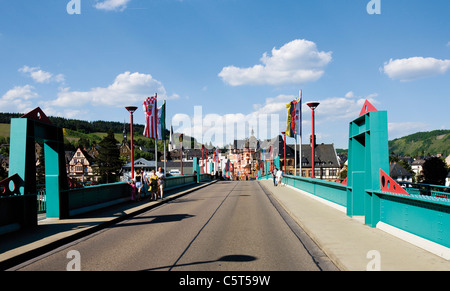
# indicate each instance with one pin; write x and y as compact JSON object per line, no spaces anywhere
{"x":151,"y":118}
{"x":216,"y":155}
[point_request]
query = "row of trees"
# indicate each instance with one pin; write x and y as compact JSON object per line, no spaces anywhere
{"x":108,"y":161}
{"x":434,"y":170}
{"x":79,"y":125}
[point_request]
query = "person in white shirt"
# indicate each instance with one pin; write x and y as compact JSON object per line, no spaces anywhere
{"x":161,"y":178}
{"x":279,"y":176}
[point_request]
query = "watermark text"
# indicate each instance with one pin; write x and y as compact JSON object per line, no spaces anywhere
{"x":374,"y":7}
{"x":74,"y":7}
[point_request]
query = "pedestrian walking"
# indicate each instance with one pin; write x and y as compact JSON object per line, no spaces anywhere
{"x":133,"y":189}
{"x":152,"y":183}
{"x":274,"y":174}
{"x":138,"y":181}
{"x":144,"y":184}
{"x":161,"y":178}
{"x":279,"y":177}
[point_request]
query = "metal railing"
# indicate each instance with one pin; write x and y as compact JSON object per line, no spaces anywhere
{"x":169,"y":183}
{"x":437,"y":191}
{"x":41,"y":199}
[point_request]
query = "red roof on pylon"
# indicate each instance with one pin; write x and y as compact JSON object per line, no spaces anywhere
{"x":367,"y":107}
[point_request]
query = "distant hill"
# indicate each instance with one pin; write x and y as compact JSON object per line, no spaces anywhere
{"x":417,"y":144}
{"x":94,"y":131}
{"x":79,"y":125}
{"x":422,"y":144}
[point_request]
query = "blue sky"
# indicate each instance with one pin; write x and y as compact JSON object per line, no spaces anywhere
{"x":227,"y":67}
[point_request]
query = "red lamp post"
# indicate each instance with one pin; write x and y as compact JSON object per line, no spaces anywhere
{"x":181,"y":153}
{"x":313,"y":106}
{"x":131,"y":109}
{"x":203,"y":159}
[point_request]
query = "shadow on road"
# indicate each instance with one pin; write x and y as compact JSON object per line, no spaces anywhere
{"x":141,"y":220}
{"x":229,"y":258}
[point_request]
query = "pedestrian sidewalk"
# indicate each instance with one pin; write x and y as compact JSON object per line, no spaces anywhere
{"x":20,"y":246}
{"x":349,"y":243}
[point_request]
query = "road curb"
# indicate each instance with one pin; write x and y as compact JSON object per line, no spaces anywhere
{"x":331,"y":263}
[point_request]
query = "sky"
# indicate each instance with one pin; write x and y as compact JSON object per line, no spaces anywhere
{"x":227,"y":68}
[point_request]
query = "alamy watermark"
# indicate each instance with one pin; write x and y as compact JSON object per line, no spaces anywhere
{"x":375,"y":261}
{"x":74,"y":7}
{"x":374,"y":7}
{"x":75,"y":261}
{"x":223,"y":130}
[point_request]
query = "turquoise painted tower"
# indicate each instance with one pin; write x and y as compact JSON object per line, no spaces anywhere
{"x":24,"y":132}
{"x":368,"y":153}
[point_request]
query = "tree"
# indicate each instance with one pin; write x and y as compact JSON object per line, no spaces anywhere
{"x":40,"y":171}
{"x":434,"y":171}
{"x":109,"y":163}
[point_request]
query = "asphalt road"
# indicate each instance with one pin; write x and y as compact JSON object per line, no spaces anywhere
{"x":228,"y":226}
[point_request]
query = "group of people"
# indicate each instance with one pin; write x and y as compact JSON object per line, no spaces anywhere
{"x":277,"y":176}
{"x":154,"y":183}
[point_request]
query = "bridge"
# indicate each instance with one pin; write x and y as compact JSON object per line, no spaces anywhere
{"x":367,"y":222}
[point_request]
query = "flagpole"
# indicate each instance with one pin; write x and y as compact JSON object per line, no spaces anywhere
{"x":299,"y":103}
{"x":295,"y":155}
{"x":156,"y":129}
{"x":164,"y":135}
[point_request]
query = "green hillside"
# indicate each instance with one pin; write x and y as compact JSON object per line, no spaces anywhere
{"x":4,"y":130}
{"x":417,"y":144}
{"x":422,"y":143}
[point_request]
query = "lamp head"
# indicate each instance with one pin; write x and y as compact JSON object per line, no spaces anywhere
{"x":313,"y":105}
{"x":131,"y":109}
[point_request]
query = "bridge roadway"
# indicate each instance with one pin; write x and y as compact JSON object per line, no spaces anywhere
{"x":220,"y":226}
{"x":232,"y":226}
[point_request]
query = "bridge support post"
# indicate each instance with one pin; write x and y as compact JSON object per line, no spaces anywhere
{"x":24,"y":132}
{"x":368,"y":153}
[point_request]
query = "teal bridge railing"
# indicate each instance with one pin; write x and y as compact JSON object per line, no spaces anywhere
{"x":98,"y":196}
{"x":423,"y":214}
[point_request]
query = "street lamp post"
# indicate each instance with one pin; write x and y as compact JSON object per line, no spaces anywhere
{"x":284,"y":161}
{"x":313,"y":106}
{"x":203,"y":159}
{"x":181,"y":153}
{"x":131,"y":109}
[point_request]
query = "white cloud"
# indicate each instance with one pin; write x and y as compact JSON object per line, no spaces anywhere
{"x":18,"y":99}
{"x":415,"y":68}
{"x":41,"y":76}
{"x":273,"y":105}
{"x":127,"y":88}
{"x":350,"y":94}
{"x":341,"y":108}
{"x":296,"y":62}
{"x":112,"y":5}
